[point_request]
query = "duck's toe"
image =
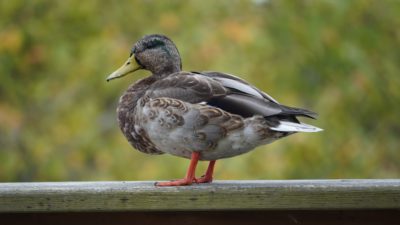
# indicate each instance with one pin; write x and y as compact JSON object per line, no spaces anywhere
{"x":180,"y":182}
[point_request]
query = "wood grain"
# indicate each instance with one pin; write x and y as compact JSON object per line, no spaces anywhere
{"x":220,"y":195}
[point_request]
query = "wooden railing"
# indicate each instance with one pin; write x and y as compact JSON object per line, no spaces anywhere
{"x":227,"y":202}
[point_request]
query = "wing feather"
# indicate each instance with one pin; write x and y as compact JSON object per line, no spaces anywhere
{"x":224,"y":91}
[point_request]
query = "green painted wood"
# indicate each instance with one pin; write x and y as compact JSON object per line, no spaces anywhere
{"x":220,"y":195}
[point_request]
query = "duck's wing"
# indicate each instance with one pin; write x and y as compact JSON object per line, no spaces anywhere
{"x":237,"y":84}
{"x":256,"y":101}
{"x":224,"y":91}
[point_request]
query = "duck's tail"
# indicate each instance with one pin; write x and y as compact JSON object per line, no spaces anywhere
{"x":286,"y":126}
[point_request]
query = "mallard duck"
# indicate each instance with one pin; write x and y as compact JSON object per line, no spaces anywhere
{"x":196,"y":115}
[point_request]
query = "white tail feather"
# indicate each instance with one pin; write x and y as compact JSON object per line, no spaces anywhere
{"x":286,"y":126}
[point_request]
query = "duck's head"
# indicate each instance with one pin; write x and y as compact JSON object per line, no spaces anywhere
{"x":156,"y":53}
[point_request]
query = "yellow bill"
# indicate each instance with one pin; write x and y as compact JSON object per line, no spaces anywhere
{"x":128,"y":67}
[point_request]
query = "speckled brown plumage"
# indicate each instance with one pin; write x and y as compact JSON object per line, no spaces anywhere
{"x":197,"y":115}
{"x":126,"y":119}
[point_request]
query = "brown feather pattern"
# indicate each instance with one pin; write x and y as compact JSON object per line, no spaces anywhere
{"x":216,"y":114}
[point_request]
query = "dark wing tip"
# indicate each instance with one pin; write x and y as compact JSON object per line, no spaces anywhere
{"x":298,"y":112}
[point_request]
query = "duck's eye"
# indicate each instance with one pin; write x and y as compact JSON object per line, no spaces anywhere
{"x":128,"y":63}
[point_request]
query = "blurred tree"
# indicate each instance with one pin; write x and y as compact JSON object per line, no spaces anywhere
{"x":338,"y":58}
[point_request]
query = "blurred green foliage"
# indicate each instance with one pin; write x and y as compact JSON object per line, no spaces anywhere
{"x":338,"y":58}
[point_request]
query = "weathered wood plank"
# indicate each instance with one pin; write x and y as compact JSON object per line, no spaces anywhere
{"x":220,"y":195}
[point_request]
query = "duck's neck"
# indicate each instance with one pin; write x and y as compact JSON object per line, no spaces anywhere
{"x":166,"y":65}
{"x":166,"y":70}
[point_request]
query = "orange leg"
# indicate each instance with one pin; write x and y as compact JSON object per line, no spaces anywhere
{"x":188,"y":180}
{"x":208,"y":177}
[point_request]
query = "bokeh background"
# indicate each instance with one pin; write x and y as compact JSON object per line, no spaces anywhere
{"x":338,"y":58}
